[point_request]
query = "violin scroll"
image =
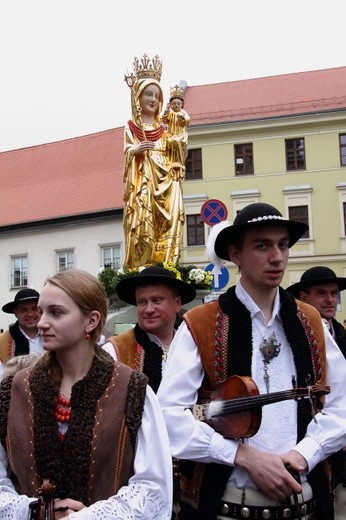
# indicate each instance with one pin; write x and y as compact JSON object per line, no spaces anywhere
{"x":42,"y":508}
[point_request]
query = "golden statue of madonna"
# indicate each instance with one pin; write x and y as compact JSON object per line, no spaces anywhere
{"x":153,"y":210}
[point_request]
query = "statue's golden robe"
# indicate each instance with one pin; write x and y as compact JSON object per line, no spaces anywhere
{"x":153,"y":211}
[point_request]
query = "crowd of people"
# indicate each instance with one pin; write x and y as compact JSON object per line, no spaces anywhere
{"x":233,"y":409}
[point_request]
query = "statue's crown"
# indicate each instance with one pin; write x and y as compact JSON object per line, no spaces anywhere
{"x":145,"y":68}
{"x":177,"y":91}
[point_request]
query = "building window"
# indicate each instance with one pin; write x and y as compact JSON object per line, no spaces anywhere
{"x":110,"y":256}
{"x":243,"y":155}
{"x":300,"y":214}
{"x":242,"y":198}
{"x":342,"y":138}
{"x":65,"y":260}
{"x":194,"y":164}
{"x":19,"y":271}
{"x":295,"y":154}
{"x":195,"y":230}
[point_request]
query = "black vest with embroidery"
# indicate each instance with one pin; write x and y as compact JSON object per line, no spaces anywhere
{"x":204,"y":484}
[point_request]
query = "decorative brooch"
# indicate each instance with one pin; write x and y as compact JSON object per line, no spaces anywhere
{"x":270,"y":348}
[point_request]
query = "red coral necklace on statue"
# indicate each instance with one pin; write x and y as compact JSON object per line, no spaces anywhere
{"x":150,"y":135}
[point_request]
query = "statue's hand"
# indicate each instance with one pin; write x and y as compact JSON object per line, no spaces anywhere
{"x":143,"y":146}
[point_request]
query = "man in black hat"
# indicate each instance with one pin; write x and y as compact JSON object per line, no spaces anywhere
{"x":23,"y":336}
{"x":158,"y":296}
{"x":244,"y":465}
{"x":319,"y":286}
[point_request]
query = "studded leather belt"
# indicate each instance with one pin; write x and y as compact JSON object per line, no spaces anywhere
{"x":238,"y":511}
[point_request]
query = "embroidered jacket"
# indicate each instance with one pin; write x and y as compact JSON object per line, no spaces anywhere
{"x":6,"y":346}
{"x":222,"y":331}
{"x":127,"y":349}
{"x":135,"y":349}
{"x":97,"y":454}
{"x":13,"y":343}
{"x":210,"y":327}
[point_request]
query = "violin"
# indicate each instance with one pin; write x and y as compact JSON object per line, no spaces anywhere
{"x":42,"y":508}
{"x":235,"y":407}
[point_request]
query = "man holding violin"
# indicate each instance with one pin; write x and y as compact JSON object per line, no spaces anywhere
{"x":256,"y":341}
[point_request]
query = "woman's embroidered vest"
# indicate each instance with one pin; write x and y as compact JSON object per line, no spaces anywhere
{"x":111,"y":451}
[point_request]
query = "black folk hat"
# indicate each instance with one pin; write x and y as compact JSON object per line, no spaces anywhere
{"x":316,"y":276}
{"x":22,"y":296}
{"x":126,"y":288}
{"x":257,"y":214}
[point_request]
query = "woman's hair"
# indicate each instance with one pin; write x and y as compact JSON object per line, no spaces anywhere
{"x":86,"y":292}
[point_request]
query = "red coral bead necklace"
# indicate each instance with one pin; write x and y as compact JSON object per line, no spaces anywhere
{"x":63,"y":409}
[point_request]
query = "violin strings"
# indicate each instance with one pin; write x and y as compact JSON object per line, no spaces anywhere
{"x":245,"y":403}
{"x":219,"y":407}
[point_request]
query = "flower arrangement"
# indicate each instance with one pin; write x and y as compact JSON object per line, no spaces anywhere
{"x":198,"y":278}
{"x":110,"y":277}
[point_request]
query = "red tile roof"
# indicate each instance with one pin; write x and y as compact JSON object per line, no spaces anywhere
{"x":85,"y":174}
{"x":64,"y":178}
{"x":288,"y":94}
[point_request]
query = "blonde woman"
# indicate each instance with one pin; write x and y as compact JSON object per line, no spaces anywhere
{"x":89,"y":425}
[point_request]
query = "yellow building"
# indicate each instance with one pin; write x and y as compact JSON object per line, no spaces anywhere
{"x":280,"y":140}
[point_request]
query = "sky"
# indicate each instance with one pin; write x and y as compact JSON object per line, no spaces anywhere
{"x":63,"y":61}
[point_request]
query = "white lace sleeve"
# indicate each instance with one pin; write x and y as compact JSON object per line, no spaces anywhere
{"x":12,"y":505}
{"x":136,"y":501}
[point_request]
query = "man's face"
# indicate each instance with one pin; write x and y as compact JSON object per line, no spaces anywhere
{"x":322,"y":296}
{"x":262,"y":258}
{"x":157,"y":307}
{"x":27,"y":315}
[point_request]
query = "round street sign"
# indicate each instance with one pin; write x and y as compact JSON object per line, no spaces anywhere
{"x":220,"y":276}
{"x":213,"y":211}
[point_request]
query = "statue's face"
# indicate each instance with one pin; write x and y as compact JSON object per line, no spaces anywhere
{"x":176,"y":104}
{"x":150,"y":99}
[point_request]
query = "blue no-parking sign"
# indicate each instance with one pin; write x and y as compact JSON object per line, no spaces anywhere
{"x":220,"y":276}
